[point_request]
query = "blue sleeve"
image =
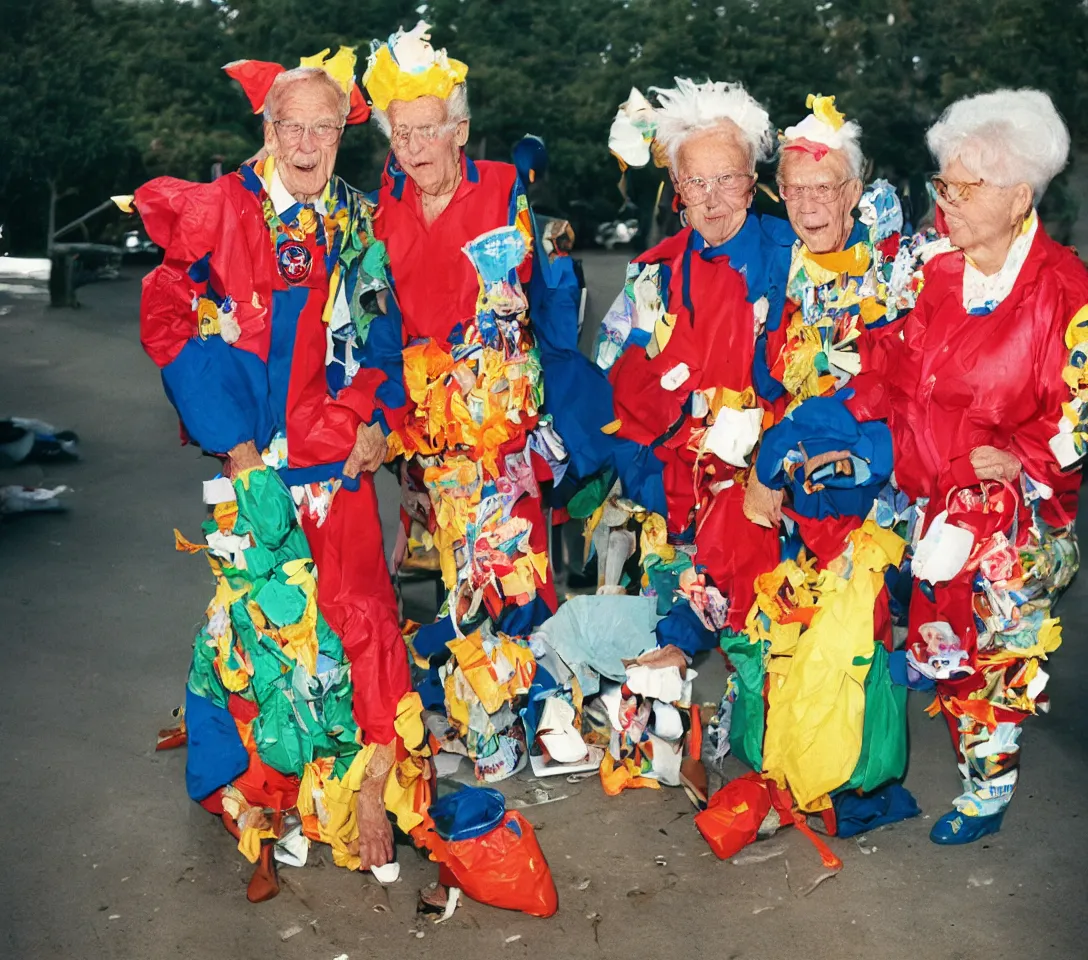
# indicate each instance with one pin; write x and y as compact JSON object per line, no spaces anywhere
{"x":554,"y":301}
{"x":383,"y":351}
{"x":765,"y":383}
{"x":221,"y":394}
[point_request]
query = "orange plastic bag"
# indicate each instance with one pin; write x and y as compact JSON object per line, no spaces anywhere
{"x":504,"y":868}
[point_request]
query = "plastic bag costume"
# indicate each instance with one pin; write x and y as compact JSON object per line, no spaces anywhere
{"x":257,"y":318}
{"x":467,"y":419}
{"x":990,"y":558}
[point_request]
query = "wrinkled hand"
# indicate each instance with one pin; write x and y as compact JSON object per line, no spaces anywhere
{"x":369,"y":451}
{"x":993,"y":464}
{"x":762,"y":505}
{"x":375,"y":830}
{"x":245,"y":456}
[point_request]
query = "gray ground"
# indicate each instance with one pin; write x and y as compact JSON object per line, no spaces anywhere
{"x":102,"y":855}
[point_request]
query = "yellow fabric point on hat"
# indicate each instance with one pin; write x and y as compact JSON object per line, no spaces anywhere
{"x":824,"y":110}
{"x":406,"y":67}
{"x":340,"y":66}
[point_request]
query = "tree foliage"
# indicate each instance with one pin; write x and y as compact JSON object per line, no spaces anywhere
{"x":97,"y":96}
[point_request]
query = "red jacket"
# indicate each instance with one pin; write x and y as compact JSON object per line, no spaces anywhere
{"x":958,"y":381}
{"x":435,"y":283}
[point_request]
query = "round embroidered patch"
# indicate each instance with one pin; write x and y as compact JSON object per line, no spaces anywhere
{"x":295,"y":262}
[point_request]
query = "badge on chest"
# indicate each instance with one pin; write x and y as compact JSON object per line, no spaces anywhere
{"x":294,"y":261}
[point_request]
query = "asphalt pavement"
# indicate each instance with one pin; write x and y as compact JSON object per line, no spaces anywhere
{"x":103,"y":856}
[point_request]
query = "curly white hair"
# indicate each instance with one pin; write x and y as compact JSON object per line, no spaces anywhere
{"x":847,"y":140}
{"x":690,"y":107}
{"x":1005,"y":137}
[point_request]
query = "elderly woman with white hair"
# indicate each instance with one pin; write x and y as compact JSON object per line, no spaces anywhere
{"x":987,"y":439}
{"x":679,"y":344}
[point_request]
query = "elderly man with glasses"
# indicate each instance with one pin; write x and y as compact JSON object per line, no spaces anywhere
{"x":472,"y":439}
{"x":256,"y":318}
{"x":833,"y":725}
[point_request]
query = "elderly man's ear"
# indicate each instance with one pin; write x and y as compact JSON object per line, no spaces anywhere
{"x":460,"y":136}
{"x":856,"y":190}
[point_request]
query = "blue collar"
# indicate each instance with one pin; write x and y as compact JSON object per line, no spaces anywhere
{"x":744,"y":246}
{"x":859,"y":234}
{"x":749,"y":251}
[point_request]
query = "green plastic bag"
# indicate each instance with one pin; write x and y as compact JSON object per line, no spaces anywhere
{"x":883,"y":756}
{"x":747,"y":722}
{"x":591,"y":495}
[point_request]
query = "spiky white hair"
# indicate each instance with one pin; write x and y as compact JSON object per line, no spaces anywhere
{"x":690,"y":107}
{"x":1005,"y":137}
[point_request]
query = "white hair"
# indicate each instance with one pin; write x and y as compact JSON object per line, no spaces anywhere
{"x":1005,"y":137}
{"x":456,"y":109}
{"x":847,"y":141}
{"x":304,"y":75}
{"x":689,"y":108}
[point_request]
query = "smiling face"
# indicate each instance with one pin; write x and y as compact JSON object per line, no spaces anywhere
{"x":822,"y":223}
{"x":304,"y":163}
{"x":988,"y":218}
{"x":427,"y":148}
{"x":708,"y":155}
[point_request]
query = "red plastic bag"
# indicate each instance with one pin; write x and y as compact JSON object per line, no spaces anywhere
{"x":504,"y":868}
{"x":732,"y":817}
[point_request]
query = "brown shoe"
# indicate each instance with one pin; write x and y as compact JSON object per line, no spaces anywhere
{"x":264,"y":884}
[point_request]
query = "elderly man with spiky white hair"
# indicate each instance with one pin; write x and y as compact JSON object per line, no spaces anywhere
{"x":679,"y":344}
{"x":987,"y":394}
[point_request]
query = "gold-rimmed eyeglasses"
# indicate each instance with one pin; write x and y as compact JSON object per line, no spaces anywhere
{"x":954,"y":191}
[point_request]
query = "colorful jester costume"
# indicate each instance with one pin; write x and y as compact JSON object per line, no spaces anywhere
{"x":812,"y":704}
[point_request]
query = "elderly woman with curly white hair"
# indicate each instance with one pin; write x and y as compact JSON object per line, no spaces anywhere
{"x":680,"y":339}
{"x":979,"y":391}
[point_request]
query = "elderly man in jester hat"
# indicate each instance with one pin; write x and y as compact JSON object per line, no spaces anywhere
{"x":258,"y":319}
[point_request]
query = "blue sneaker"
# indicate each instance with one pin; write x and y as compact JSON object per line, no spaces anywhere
{"x":955,"y":828}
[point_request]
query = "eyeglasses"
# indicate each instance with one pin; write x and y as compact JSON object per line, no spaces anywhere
{"x":954,"y":191}
{"x":324,"y":131}
{"x":402,"y":136}
{"x":697,"y":190}
{"x":820,"y":192}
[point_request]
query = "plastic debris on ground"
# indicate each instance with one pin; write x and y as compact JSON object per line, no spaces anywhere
{"x":25,"y":440}
{"x":20,"y":499}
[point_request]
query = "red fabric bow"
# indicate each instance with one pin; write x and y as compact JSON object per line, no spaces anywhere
{"x":818,"y":150}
